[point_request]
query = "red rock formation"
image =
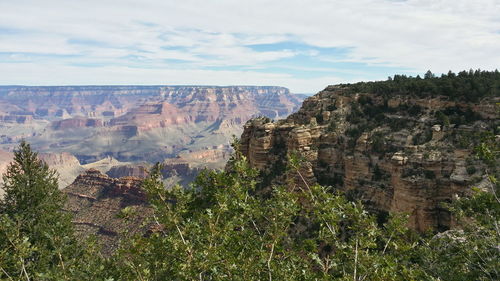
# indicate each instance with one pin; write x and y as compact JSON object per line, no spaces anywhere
{"x":136,"y":123}
{"x":152,"y":115}
{"x":227,"y":106}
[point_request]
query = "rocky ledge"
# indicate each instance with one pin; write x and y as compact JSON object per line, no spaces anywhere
{"x":100,"y":203}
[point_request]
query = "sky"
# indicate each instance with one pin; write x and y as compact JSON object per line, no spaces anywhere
{"x":304,"y":45}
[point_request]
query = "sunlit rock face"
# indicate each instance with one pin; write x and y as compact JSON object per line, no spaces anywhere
{"x":391,"y":153}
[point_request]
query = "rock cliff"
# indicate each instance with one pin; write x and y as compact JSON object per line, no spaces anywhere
{"x":66,"y":165}
{"x":99,"y":204}
{"x":396,"y":154}
{"x":133,"y":123}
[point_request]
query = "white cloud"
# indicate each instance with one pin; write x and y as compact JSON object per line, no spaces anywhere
{"x":414,"y":34}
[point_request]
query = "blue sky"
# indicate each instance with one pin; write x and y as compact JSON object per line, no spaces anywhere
{"x":304,"y":45}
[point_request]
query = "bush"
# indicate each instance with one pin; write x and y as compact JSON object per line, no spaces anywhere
{"x":429,"y":174}
{"x":423,"y":137}
{"x":471,"y":170}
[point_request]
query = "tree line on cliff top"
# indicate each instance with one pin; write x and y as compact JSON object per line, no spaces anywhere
{"x":468,"y":86}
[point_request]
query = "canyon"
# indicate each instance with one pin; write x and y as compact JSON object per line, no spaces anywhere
{"x":125,"y":129}
{"x":397,"y":153}
{"x":103,"y":140}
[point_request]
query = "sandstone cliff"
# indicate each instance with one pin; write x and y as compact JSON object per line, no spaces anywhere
{"x":396,"y":154}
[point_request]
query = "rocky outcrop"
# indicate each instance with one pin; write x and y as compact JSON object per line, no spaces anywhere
{"x":126,"y":187}
{"x":175,"y":169}
{"x":99,"y":203}
{"x":395,"y":155}
{"x":59,"y":159}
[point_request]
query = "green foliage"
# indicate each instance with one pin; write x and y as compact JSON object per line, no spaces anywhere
{"x":36,"y":235}
{"x":378,"y":142}
{"x":429,"y":174}
{"x":225,"y":228}
{"x":465,"y":86}
{"x":379,"y":174}
{"x":319,"y":117}
{"x":221,"y":229}
{"x":470,"y":252}
{"x":30,"y":185}
{"x":423,"y":137}
{"x":471,"y":170}
{"x":331,"y":107}
{"x":443,"y":119}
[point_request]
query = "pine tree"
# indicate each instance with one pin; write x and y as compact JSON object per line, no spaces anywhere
{"x":36,"y":235}
{"x":30,"y":185}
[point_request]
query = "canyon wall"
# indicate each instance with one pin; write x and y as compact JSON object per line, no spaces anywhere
{"x":396,"y":154}
{"x":133,"y":123}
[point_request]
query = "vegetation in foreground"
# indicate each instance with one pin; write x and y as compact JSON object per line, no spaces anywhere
{"x":222,"y":229}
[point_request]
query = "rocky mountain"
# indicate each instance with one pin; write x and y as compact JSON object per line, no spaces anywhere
{"x":66,"y":165}
{"x":133,"y":123}
{"x":397,"y":153}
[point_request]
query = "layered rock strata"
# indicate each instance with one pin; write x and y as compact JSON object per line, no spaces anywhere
{"x":396,"y":154}
{"x":133,"y":123}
